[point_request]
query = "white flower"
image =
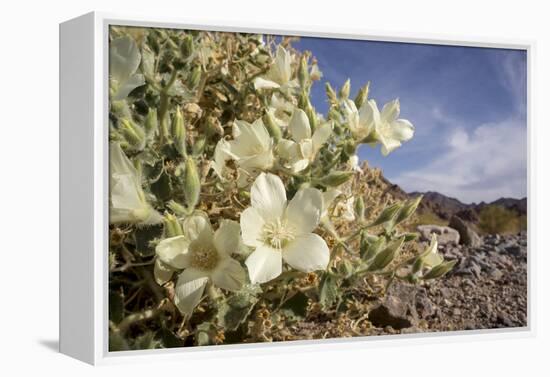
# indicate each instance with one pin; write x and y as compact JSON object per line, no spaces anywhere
{"x":300,"y":152}
{"x":390,"y":131}
{"x":204,"y":256}
{"x":251,"y":149}
{"x":431,"y":257}
{"x":353,"y":163}
{"x":363,"y":121}
{"x":280,"y":73}
{"x":281,"y":230}
{"x":344,"y":209}
{"x":124,"y":60}
{"x":280,"y":109}
{"x":127,"y":203}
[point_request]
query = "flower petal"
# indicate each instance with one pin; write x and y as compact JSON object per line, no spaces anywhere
{"x":229,"y":274}
{"x":299,"y":125}
{"x":304,"y":210}
{"x":261,"y":83}
{"x":402,"y":130}
{"x":163,"y":273}
{"x":174,"y":251}
{"x":369,"y":118}
{"x":268,"y":196}
{"x":283,"y":62}
{"x":189,"y":290}
{"x":321,"y":135}
{"x":264,"y":264}
{"x":124,"y":58}
{"x":307,"y":253}
{"x":125,"y":87}
{"x":252,"y":224}
{"x":228,"y":237}
{"x":390,"y":111}
{"x":198,"y":226}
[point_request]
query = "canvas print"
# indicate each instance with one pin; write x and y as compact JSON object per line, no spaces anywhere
{"x":272,"y":188}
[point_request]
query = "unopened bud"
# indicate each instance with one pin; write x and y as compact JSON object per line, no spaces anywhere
{"x":172,"y":227}
{"x":387,"y":214}
{"x":151,"y":123}
{"x":192,"y":184}
{"x":272,"y":126}
{"x":177,"y":208}
{"x":439,"y":270}
{"x":386,"y":256}
{"x":179,"y":132}
{"x":303,"y":73}
{"x":134,"y":134}
{"x":198,"y":146}
{"x":195,"y":77}
{"x":374,"y":247}
{"x":345,"y":89}
{"x":362,"y":96}
{"x":331,"y":94}
{"x":336,"y":178}
{"x":359,"y":208}
{"x":312,"y":116}
{"x":408,"y":209}
{"x":187,"y":47}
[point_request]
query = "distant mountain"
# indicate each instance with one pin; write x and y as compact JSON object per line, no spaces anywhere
{"x":445,"y":207}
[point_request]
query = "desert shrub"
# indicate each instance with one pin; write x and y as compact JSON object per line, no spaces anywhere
{"x":495,"y":219}
{"x":236,"y":209}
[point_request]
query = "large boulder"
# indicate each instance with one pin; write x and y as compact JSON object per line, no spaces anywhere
{"x":467,"y":235}
{"x":445,"y":234}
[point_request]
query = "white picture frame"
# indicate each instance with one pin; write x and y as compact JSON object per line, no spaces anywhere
{"x":84,"y":191}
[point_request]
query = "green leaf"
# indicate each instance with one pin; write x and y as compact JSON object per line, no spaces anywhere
{"x":233,"y":311}
{"x":205,"y":333}
{"x":328,"y":291}
{"x":146,"y":341}
{"x":117,"y":342}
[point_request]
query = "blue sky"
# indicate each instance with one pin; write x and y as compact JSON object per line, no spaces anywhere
{"x":468,"y":106}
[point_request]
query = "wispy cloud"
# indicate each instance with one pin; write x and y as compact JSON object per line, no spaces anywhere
{"x":481,"y":165}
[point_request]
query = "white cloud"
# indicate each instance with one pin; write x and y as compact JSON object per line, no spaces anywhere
{"x":481,"y":165}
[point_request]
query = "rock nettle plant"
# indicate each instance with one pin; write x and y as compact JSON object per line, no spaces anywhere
{"x":236,"y":209}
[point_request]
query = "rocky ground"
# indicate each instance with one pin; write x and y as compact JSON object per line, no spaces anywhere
{"x":487,"y":289}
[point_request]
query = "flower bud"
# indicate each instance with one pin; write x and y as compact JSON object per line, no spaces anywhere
{"x":336,"y":178}
{"x":151,"y":123}
{"x":350,"y":148}
{"x":417,"y":266}
{"x":386,"y":256}
{"x":198,"y":145}
{"x":387,"y":214}
{"x":134,"y":134}
{"x":303,"y":73}
{"x":410,"y":237}
{"x":187,"y":47}
{"x":408,"y":209}
{"x":312,"y":116}
{"x":195,"y":77}
{"x":192,"y":184}
{"x":172,"y":227}
{"x":439,"y":270}
{"x":272,"y":127}
{"x":177,"y":208}
{"x":331,"y":94}
{"x":179,"y":132}
{"x":359,"y":208}
{"x":344,"y":91}
{"x":374,"y":246}
{"x":362,"y":96}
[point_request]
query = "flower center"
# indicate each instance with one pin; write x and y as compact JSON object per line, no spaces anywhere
{"x":203,"y":257}
{"x":278,"y":233}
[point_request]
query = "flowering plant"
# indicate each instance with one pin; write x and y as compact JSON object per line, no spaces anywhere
{"x":237,"y":209}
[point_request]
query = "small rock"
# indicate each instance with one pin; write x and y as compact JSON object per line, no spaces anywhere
{"x":445,"y":235}
{"x":467,"y":235}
